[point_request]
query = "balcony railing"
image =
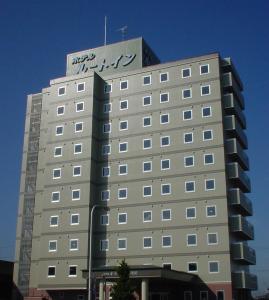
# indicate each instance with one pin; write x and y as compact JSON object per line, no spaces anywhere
{"x":242,"y":227}
{"x":231,"y":105}
{"x":235,"y":151}
{"x":240,"y":201}
{"x":234,"y":129}
{"x":238,"y":177}
{"x":244,"y":280}
{"x":228,"y":66}
{"x":243,"y":253}
{"x":229,"y":85}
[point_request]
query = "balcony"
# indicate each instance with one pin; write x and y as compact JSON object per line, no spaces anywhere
{"x":230,"y":85}
{"x":238,"y":177}
{"x":244,"y":280}
{"x":228,"y":66}
{"x":231,"y":106}
{"x":240,"y":201}
{"x":243,"y":254}
{"x":234,"y":129}
{"x":236,"y":152}
{"x":242,"y":227}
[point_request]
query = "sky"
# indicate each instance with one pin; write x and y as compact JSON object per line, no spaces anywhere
{"x":36,"y":36}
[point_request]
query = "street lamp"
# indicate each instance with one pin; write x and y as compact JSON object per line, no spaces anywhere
{"x":90,"y":246}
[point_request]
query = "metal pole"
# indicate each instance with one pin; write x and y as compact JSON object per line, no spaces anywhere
{"x":105,"y":29}
{"x":90,"y":253}
{"x":90,"y":247}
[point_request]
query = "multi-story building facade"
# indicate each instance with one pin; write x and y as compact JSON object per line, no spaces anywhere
{"x":162,"y":147}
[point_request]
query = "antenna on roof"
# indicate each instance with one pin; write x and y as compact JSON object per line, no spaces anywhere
{"x":105,"y":29}
{"x":123,"y":31}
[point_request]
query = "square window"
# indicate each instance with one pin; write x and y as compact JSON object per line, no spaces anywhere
{"x":74,"y":219}
{"x":147,"y":216}
{"x":189,"y":186}
{"x":209,"y":184}
{"x":107,"y":108}
{"x":164,"y":77}
{"x":52,"y":246}
{"x":77,"y":148}
{"x":204,"y":69}
{"x":190,"y":213}
{"x":212,"y":238}
{"x":186,"y":73}
{"x":54,"y":221}
{"x":166,"y":189}
{"x":122,"y":193}
{"x":106,"y":171}
{"x":191,"y":239}
{"x":164,"y":119}
{"x":186,"y":93}
{"x":206,"y":112}
{"x":104,"y":220}
{"x":107,"y":127}
{"x":146,"y":100}
{"x":213,"y":266}
{"x":51,"y":271}
{"x":55,"y":196}
{"x":122,"y":218}
{"x":104,"y":244}
{"x":79,"y":127}
{"x":211,"y":211}
{"x":124,"y":85}
{"x":165,"y":164}
{"x":147,"y":166}
{"x":81,"y":87}
{"x":189,"y":161}
{"x":123,"y":147}
{"x":108,"y":88}
{"x":147,"y":242}
{"x":123,"y":169}
{"x":72,"y":271}
{"x":106,"y":149}
{"x":122,"y":244}
{"x":187,"y":295}
{"x":73,"y":244}
{"x":57,"y":173}
{"x":192,"y":267}
{"x":123,"y":104}
{"x":123,"y":125}
{"x":187,"y":115}
{"x":205,"y":90}
{"x":166,"y":215}
{"x":147,"y":121}
{"x":147,"y":191}
{"x":147,"y":143}
{"x":167,"y":241}
{"x":59,"y":130}
{"x":105,"y":195}
{"x":147,"y":80}
{"x":58,"y":151}
{"x":61,"y":91}
{"x":79,"y":106}
{"x":164,"y":97}
{"x":188,"y":138}
{"x":207,"y":135}
{"x":75,"y":195}
{"x":209,"y":159}
{"x":60,"y":110}
{"x":203,"y":295}
{"x":165,"y":141}
{"x":76,"y":171}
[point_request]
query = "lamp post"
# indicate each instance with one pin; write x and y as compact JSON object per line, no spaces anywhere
{"x":90,"y":246}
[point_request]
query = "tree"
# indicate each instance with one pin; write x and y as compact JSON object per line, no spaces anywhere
{"x":122,"y":289}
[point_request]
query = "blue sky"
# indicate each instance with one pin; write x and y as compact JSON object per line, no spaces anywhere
{"x":36,"y":35}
